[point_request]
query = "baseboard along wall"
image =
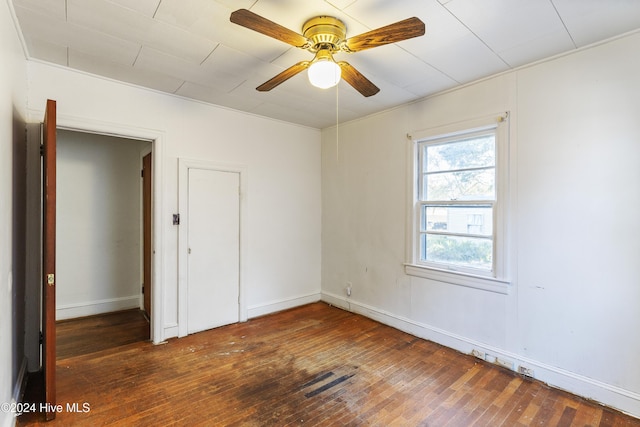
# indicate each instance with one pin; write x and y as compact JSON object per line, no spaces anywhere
{"x":90,"y":308}
{"x":615,"y":397}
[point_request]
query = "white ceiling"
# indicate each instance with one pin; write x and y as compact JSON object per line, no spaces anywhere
{"x":191,"y":49}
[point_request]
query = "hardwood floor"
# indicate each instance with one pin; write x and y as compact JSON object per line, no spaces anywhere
{"x":313,"y":365}
{"x":96,"y":333}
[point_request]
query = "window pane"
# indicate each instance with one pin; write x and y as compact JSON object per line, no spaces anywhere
{"x":464,"y":154}
{"x":464,"y":185}
{"x":435,"y":218}
{"x":470,"y":219}
{"x":462,"y":251}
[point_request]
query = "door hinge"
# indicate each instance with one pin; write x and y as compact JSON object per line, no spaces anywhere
{"x":41,"y":150}
{"x":41,"y":337}
{"x":176,"y":219}
{"x":141,"y":173}
{"x":143,"y":288}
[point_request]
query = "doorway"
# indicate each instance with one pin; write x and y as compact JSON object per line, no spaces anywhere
{"x":100,"y":262}
{"x":84,"y":305}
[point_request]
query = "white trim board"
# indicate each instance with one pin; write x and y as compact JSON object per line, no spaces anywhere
{"x":90,"y":308}
{"x":615,"y":397}
{"x":280,"y":305}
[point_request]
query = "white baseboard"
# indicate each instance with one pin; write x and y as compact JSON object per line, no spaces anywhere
{"x":170,"y":331}
{"x":89,"y":308}
{"x":615,"y":397}
{"x":275,"y":306}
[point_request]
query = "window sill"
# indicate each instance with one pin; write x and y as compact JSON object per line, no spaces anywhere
{"x":490,"y":284}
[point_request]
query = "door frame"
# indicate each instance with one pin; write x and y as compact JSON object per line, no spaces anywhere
{"x":157,"y":330}
{"x":183,"y":204}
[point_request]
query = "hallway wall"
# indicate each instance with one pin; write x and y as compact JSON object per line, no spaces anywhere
{"x":99,"y":224}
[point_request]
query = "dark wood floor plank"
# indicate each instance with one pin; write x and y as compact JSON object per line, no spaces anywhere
{"x":314,"y":365}
{"x":96,"y":333}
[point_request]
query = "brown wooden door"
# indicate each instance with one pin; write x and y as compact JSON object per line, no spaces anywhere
{"x":146,"y":225}
{"x":49,"y":256}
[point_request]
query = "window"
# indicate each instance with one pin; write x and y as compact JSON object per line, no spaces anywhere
{"x":458,"y":216}
{"x":457,"y":194}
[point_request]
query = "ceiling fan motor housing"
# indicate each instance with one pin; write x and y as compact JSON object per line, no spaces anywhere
{"x":324,"y":32}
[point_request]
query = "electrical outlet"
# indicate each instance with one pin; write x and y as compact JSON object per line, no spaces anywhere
{"x":504,"y":363}
{"x":527,"y":372}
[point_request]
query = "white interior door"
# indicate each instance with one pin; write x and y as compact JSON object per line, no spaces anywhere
{"x":213,"y":283}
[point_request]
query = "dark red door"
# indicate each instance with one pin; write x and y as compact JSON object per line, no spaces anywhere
{"x":49,"y":256}
{"x":146,"y":215}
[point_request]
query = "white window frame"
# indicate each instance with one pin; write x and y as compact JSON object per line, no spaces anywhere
{"x":495,"y":280}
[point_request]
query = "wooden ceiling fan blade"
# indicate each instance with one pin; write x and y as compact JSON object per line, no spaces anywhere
{"x":357,"y":80}
{"x":284,"y":76}
{"x":402,"y":30}
{"x":248,"y":19}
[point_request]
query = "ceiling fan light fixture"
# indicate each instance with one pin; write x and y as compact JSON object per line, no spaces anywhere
{"x":324,"y":74}
{"x":323,"y":71}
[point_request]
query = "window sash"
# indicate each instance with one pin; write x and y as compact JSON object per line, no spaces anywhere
{"x":477,"y":255}
{"x":473,"y":264}
{"x":423,"y":202}
{"x":473,"y":207}
{"x":460,"y":140}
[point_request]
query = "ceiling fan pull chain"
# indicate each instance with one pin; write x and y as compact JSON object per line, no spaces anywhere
{"x":337,"y":126}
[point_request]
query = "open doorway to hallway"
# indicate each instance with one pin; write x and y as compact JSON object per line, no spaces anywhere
{"x":101,"y":233}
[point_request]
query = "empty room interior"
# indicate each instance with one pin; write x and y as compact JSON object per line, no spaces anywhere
{"x":441,"y":230}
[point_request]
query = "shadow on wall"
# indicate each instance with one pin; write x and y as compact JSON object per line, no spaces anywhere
{"x":18,"y":247}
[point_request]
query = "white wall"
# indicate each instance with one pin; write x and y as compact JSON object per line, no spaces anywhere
{"x":12,"y":210}
{"x":98,"y":242}
{"x":283,"y":168}
{"x":571,"y":313}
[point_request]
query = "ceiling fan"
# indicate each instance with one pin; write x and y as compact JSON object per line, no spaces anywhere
{"x":324,"y":36}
